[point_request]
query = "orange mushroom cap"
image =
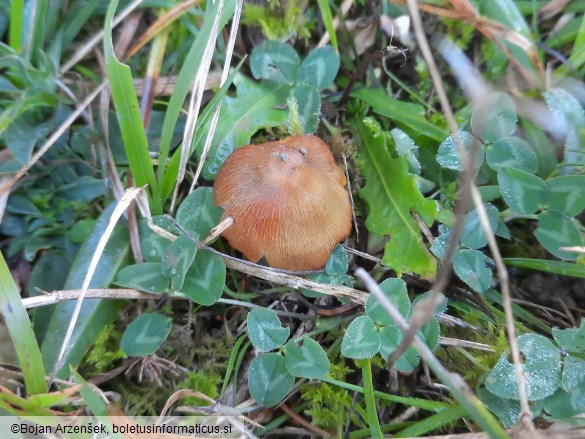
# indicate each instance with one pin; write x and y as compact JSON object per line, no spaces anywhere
{"x":287,"y":200}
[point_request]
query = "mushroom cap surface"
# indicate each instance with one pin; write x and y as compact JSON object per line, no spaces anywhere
{"x":287,"y":200}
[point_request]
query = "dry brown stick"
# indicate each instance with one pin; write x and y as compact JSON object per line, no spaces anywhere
{"x":162,"y":22}
{"x":300,"y":420}
{"x":282,"y":277}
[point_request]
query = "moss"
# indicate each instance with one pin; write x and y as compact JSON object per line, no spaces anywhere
{"x":143,"y":400}
{"x":279,"y":20}
{"x":212,"y":353}
{"x":477,"y":362}
{"x":202,"y":382}
{"x":105,"y":352}
{"x":329,"y":405}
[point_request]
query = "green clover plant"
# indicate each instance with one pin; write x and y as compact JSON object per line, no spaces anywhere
{"x":272,"y":374}
{"x":510,"y":171}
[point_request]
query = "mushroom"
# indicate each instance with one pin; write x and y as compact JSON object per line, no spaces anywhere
{"x":287,"y":200}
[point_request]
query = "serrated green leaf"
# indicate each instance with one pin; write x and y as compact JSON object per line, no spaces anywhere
{"x":256,"y":106}
{"x":541,"y":369}
{"x":319,"y":68}
{"x":265,"y":330}
{"x":306,"y":360}
{"x":391,"y":193}
{"x":555,"y":230}
{"x":145,"y":334}
{"x":268,"y":380}
{"x":523,"y":192}
{"x":144,"y":277}
{"x":361,"y":339}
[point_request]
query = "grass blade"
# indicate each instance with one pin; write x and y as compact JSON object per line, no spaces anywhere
{"x":129,"y":118}
{"x":232,"y":361}
{"x":328,"y":21}
{"x":94,"y":314}
{"x":423,"y":404}
{"x":556,"y":267}
{"x":434,"y":422}
{"x":203,"y":123}
{"x":196,"y":98}
{"x":16,"y":25}
{"x":370,"y":399}
{"x":183,"y":83}
{"x":21,"y":332}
